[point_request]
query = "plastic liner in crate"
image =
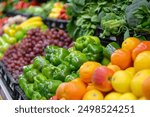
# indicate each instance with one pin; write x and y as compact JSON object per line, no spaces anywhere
{"x":19,"y":94}
{"x":8,"y":80}
{"x":56,"y":23}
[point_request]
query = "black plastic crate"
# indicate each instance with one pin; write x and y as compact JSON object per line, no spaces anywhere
{"x":19,"y":94}
{"x":118,"y":39}
{"x":56,"y":23}
{"x":8,"y":80}
{"x":14,"y":13}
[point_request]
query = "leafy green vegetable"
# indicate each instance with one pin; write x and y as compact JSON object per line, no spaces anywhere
{"x":87,"y":15}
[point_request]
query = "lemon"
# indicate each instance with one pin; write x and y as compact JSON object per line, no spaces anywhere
{"x":121,"y":81}
{"x":128,"y":96}
{"x":131,"y":71}
{"x":112,"y":96}
{"x":142,"y":61}
{"x":138,"y":79}
{"x":93,"y":94}
{"x":142,"y":98}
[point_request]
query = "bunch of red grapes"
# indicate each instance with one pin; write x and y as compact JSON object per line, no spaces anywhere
{"x":31,"y":46}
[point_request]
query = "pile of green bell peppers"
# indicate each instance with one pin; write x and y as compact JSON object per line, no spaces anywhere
{"x":41,"y":78}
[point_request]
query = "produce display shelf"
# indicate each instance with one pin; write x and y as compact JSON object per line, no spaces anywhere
{"x":13,"y":86}
{"x":7,"y":79}
{"x":51,"y":23}
{"x":14,"y":13}
{"x":19,"y":94}
{"x":4,"y":91}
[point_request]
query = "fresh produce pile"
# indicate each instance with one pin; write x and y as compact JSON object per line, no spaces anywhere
{"x":112,"y":16}
{"x":24,"y":5}
{"x":7,"y":22}
{"x":48,"y":65}
{"x":8,"y":5}
{"x":2,"y":23}
{"x":127,"y":77}
{"x":42,"y":78}
{"x":51,"y":9}
{"x":59,"y":11}
{"x":18,"y":19}
{"x":32,"y":45}
{"x":14,"y":33}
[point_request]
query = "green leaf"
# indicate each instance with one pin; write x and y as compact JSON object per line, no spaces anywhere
{"x":95,"y":19}
{"x":86,"y":16}
{"x":80,"y":22}
{"x":126,"y":34}
{"x":79,"y":2}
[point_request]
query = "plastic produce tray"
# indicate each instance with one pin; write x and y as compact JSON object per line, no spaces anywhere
{"x":56,"y":23}
{"x":120,"y":38}
{"x":19,"y":94}
{"x":14,"y":13}
{"x":7,"y":79}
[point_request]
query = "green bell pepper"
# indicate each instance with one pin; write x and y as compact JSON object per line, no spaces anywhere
{"x":36,"y":96}
{"x":48,"y":71}
{"x":54,"y":86}
{"x":61,"y":71}
{"x":56,"y":54}
{"x":22,"y":82}
{"x":71,"y":77}
{"x":31,"y":74}
{"x":27,"y":68}
{"x":75,"y":60}
{"x":29,"y":91}
{"x":39,"y":77}
{"x":93,"y":52}
{"x":48,"y":87}
{"x":39,"y":62}
{"x":91,"y":46}
{"x":83,"y":41}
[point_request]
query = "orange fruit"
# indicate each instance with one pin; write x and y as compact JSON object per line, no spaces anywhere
{"x":130,"y":43}
{"x":115,"y":68}
{"x":87,"y":69}
{"x":146,"y":88}
{"x":143,"y":46}
{"x":121,"y":58}
{"x":93,"y":94}
{"x":90,"y":87}
{"x":73,"y":90}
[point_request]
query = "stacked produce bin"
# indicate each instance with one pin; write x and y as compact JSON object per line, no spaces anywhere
{"x":47,"y":47}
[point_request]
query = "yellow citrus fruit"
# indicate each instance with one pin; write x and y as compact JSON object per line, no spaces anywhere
{"x":137,"y":81}
{"x":142,"y":61}
{"x":130,"y":43}
{"x":128,"y":96}
{"x":142,"y":98}
{"x":93,"y":94}
{"x":131,"y":71}
{"x":115,"y":68}
{"x":90,"y":87}
{"x":112,"y":96}
{"x":121,"y":81}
